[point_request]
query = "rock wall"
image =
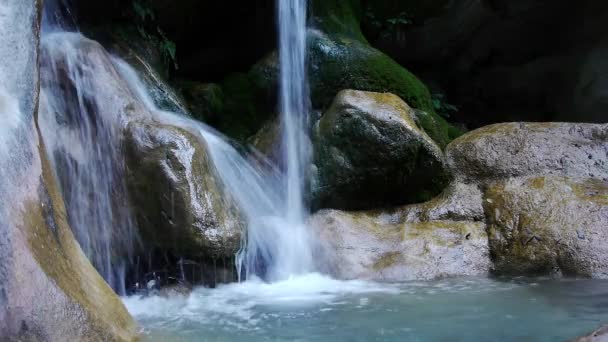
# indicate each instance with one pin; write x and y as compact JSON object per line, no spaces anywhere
{"x":48,"y":289}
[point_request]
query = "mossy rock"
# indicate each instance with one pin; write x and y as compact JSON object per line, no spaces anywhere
{"x":338,"y":17}
{"x":548,"y":225}
{"x":363,"y":245}
{"x":205,"y":101}
{"x":369,"y":152}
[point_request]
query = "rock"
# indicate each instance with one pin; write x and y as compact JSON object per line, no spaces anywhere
{"x":458,"y":202}
{"x":340,"y":58}
{"x":600,"y":335}
{"x":509,"y":150}
{"x":590,"y":100}
{"x":268,"y":140}
{"x":182,"y":209}
{"x":548,"y":225}
{"x":474,"y":51}
{"x":369,"y":152}
{"x":49,"y":291}
{"x":205,"y":100}
{"x":364,"y":246}
{"x":338,"y":63}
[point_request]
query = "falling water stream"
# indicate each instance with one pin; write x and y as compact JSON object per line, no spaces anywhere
{"x":84,"y":93}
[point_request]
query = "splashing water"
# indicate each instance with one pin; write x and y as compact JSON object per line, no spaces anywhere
{"x":82,"y":118}
{"x":282,"y":239}
{"x":82,"y":124}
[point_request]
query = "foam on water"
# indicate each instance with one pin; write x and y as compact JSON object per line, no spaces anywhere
{"x":237,"y":303}
{"x":315,"y":308}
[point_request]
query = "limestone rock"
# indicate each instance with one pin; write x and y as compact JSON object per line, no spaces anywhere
{"x":362,"y":246}
{"x":515,"y":149}
{"x":548,"y":225}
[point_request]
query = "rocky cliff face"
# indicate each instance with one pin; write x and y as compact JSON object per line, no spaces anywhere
{"x":48,"y":289}
{"x":502,"y":60}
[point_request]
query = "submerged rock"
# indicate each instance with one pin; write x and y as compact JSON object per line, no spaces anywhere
{"x":369,"y":152}
{"x":182,"y":208}
{"x":366,"y":245}
{"x":548,"y":225}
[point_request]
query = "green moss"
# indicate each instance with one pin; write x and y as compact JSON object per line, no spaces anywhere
{"x":244,"y":111}
{"x":205,"y":100}
{"x":338,"y":17}
{"x":338,"y":63}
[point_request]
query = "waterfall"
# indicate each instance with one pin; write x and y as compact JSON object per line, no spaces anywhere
{"x":294,"y":103}
{"x":84,"y":109}
{"x":81,"y":126}
{"x":282,"y":238}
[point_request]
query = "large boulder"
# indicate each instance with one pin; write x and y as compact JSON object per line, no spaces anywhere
{"x":49,"y":291}
{"x":369,"y":152}
{"x":508,"y":150}
{"x":544,"y":194}
{"x":370,"y":245}
{"x":181,"y":206}
{"x":340,"y":58}
{"x":548,"y":225}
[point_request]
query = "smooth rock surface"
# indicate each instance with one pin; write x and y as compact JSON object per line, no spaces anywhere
{"x":369,"y":152}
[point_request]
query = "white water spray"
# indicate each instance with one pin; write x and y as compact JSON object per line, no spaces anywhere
{"x":83,"y":116}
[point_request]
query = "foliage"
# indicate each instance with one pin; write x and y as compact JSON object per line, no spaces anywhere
{"x":145,"y":20}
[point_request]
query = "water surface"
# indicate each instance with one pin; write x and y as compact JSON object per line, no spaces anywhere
{"x":316,"y":308}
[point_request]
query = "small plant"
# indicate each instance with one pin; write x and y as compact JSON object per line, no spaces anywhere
{"x":146,"y":23}
{"x":441,"y":106}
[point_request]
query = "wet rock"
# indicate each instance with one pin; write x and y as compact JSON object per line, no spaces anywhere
{"x":181,"y":207}
{"x":49,"y":291}
{"x":548,"y":225}
{"x":369,"y":153}
{"x":458,"y":202}
{"x":364,"y":245}
{"x":509,"y":150}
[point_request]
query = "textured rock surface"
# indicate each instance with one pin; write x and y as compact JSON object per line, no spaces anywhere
{"x":521,"y":149}
{"x":548,"y":225}
{"x":181,"y":205}
{"x":369,"y":152}
{"x":48,"y":289}
{"x":364,"y":245}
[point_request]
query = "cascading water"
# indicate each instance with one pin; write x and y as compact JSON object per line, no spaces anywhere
{"x":294,"y":103}
{"x":82,"y":131}
{"x":82,"y":120}
{"x":282,"y":239}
